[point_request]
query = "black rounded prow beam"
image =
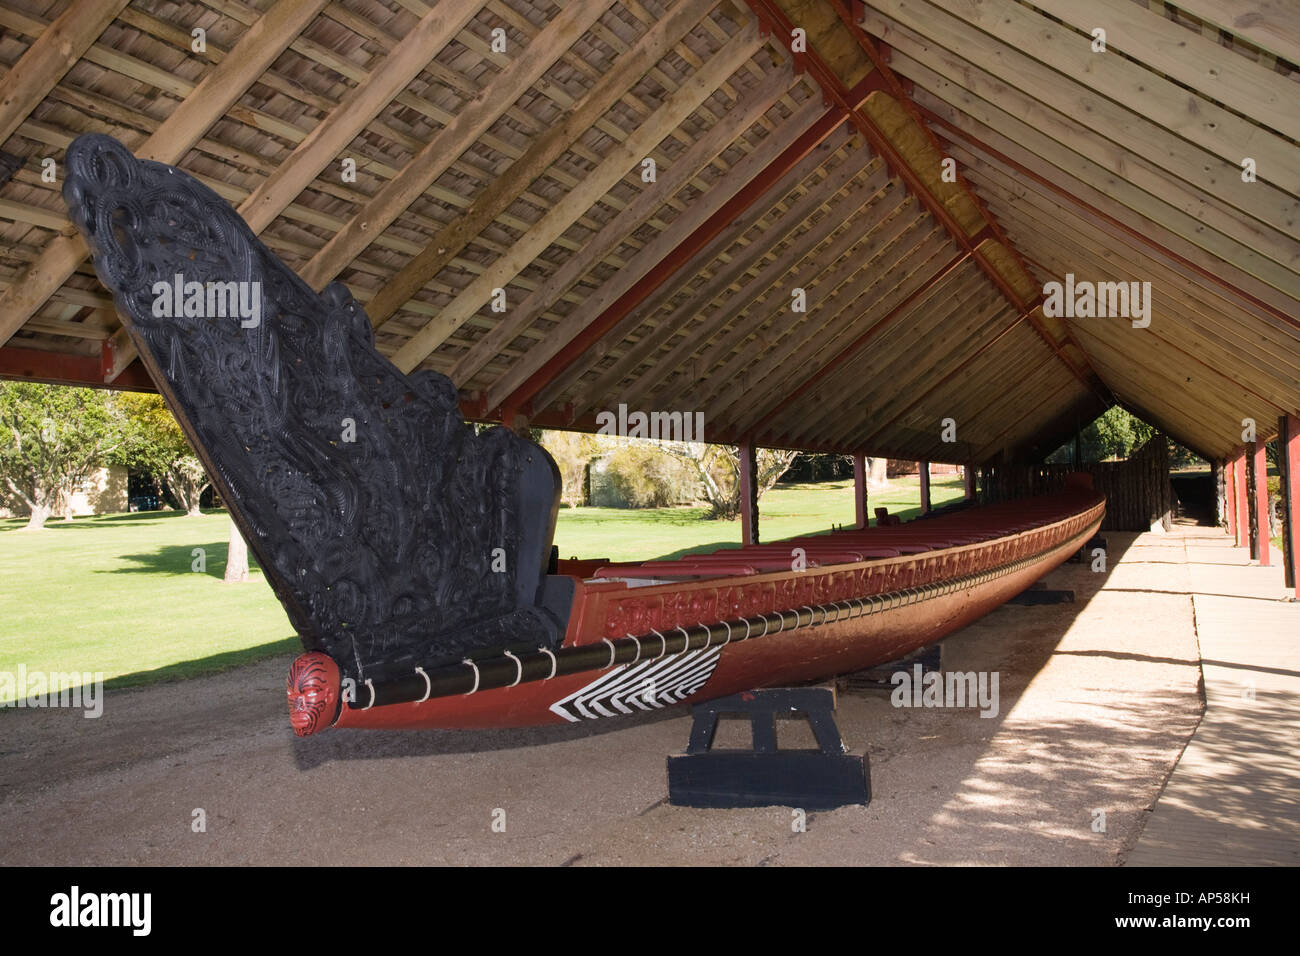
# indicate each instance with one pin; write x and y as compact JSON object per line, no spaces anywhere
{"x":394,"y":534}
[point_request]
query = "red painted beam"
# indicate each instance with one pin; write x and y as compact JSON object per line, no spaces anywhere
{"x":64,"y":368}
{"x":830,"y":121}
{"x":923,"y":468}
{"x":1230,"y":497}
{"x":1239,"y":486}
{"x":87,"y":371}
{"x":1262,"y":543}
{"x":968,"y":480}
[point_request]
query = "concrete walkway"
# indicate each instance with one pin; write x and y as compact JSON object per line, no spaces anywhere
{"x":1234,"y":798}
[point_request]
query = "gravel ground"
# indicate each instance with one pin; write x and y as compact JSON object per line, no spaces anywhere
{"x":1097,"y":700}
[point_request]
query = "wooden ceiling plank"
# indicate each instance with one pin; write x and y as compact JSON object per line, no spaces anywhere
{"x":727,"y":274}
{"x":562,"y":214}
{"x":449,"y":142}
{"x":1004,"y":27}
{"x":1104,"y":235}
{"x":1060,"y":398}
{"x":1168,"y":385}
{"x":716,"y":330}
{"x":852,"y":394}
{"x":672,"y":179}
{"x":1253,"y":363}
{"x":808,"y":362}
{"x":690,"y":236}
{"x":49,"y":57}
{"x":541,"y":153}
{"x":751,"y":377}
{"x":891,"y":257}
{"x":856,"y":386}
{"x":718,"y":333}
{"x":1165,"y":47}
{"x":208,"y":102}
{"x":1123,"y":142}
{"x":766,"y":314}
{"x":1177,"y":233}
{"x":873,"y":392}
{"x":1198,"y":218}
{"x":1272,"y":25}
{"x":1011,"y":414}
{"x":362,"y":104}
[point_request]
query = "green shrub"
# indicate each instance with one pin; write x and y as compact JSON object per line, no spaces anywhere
{"x":647,"y":477}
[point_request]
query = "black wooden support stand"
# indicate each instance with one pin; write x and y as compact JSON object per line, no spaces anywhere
{"x":765,"y":776}
{"x":1084,"y":554}
{"x":1039,"y":593}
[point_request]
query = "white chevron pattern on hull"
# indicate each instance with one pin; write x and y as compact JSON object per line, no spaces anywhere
{"x":640,"y":686}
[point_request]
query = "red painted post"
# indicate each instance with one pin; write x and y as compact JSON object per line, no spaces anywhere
{"x":748,"y":495}
{"x":1239,"y":486}
{"x":860,"y":512}
{"x":1230,"y":497}
{"x":968,"y":479}
{"x":1263,"y":541}
{"x":1288,"y":441}
{"x":924,"y":468}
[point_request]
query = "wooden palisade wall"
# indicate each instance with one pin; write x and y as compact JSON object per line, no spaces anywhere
{"x":1137,"y":489}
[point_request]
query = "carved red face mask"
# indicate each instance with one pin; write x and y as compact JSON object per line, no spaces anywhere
{"x":313,"y":689}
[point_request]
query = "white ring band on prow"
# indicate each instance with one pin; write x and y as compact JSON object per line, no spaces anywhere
{"x":519,"y":669}
{"x":473,"y":689}
{"x":554,"y":663}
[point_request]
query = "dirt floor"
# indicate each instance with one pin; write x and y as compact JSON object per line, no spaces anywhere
{"x":1097,"y":700}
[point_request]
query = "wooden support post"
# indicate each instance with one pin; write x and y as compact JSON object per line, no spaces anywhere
{"x":1288,"y":442}
{"x":924,"y":468}
{"x":1239,"y":494}
{"x":748,"y":494}
{"x":1220,"y":496}
{"x":968,"y":479}
{"x":1230,"y":497}
{"x":860,"y":511}
{"x":1261,"y":545}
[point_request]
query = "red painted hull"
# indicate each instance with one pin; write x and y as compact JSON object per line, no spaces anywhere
{"x":1049,"y":531}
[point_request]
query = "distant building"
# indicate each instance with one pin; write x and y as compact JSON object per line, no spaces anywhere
{"x":104,"y":492}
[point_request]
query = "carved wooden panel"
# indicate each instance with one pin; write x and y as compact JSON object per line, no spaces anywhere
{"x":373,"y":508}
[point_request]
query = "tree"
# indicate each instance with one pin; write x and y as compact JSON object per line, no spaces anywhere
{"x":236,"y":556}
{"x":1116,"y":434}
{"x":572,"y":452}
{"x":155,"y":444}
{"x":718,"y":467}
{"x":1113,"y":434}
{"x":52,"y":438}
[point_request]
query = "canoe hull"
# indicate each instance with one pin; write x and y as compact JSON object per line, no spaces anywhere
{"x":931,"y":611}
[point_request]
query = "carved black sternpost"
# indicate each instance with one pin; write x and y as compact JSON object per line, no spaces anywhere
{"x":392,"y":533}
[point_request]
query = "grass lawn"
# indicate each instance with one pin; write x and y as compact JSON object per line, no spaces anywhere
{"x":117,"y":594}
{"x":623,"y":534}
